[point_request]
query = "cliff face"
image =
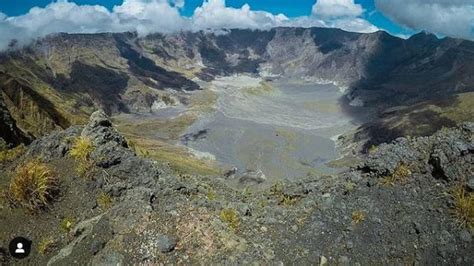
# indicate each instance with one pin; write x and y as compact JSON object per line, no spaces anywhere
{"x":10,"y":133}
{"x":67,"y":76}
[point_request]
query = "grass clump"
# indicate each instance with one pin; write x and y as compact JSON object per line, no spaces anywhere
{"x":8,"y":155}
{"x":231,"y":217}
{"x":464,"y":207}
{"x":372,"y":149}
{"x":67,"y":223}
{"x":45,"y":245}
{"x":283,"y":199}
{"x":104,"y":201}
{"x":33,"y":186}
{"x":81,"y":151}
{"x":400,"y":175}
{"x":358,"y":216}
{"x":211,"y":194}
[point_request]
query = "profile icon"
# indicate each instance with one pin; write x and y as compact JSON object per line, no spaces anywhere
{"x":20,"y":247}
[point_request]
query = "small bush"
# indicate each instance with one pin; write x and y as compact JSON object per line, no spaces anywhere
{"x":45,"y":245}
{"x":104,"y":201}
{"x":372,"y":149}
{"x":211,"y":194}
{"x":358,"y":216}
{"x":464,"y":207}
{"x":132,"y":145}
{"x":81,"y":151}
{"x":8,"y":155}
{"x":33,"y":185}
{"x":67,"y":224}
{"x":231,"y":217}
{"x":283,"y":199}
{"x":400,"y":175}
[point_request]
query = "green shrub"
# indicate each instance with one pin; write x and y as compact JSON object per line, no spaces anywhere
{"x":231,"y":217}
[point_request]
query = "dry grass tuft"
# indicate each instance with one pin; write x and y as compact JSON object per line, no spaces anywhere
{"x":358,"y":216}
{"x":401,"y":175}
{"x":8,"y":155}
{"x":33,"y":186}
{"x":231,"y":217}
{"x":67,"y":224}
{"x":45,"y":245}
{"x":104,"y":201}
{"x":464,"y":207}
{"x":283,"y":199}
{"x":81,"y":152}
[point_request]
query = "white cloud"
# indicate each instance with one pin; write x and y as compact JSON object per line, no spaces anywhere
{"x":215,"y":14}
{"x":148,"y":16}
{"x":337,"y":9}
{"x":444,"y":17}
{"x":344,"y":14}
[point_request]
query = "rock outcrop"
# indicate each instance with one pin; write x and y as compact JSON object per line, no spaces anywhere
{"x":157,"y":216}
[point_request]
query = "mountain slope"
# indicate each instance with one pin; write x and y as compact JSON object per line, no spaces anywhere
{"x":64,"y":77}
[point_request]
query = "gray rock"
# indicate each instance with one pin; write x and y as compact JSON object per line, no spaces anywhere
{"x":470,"y":183}
{"x":256,"y":177}
{"x":55,"y":145}
{"x":100,"y":131}
{"x":97,"y":245}
{"x":166,"y":243}
{"x":111,"y":152}
{"x":465,"y":236}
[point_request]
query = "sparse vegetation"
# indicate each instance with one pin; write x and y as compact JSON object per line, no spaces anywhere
{"x":67,"y":223}
{"x":104,"y":201}
{"x":231,"y":217}
{"x":400,"y":175}
{"x":179,"y":159}
{"x":211,"y":194}
{"x":81,"y":151}
{"x":464,"y":207}
{"x":45,"y":245}
{"x":284,"y":199}
{"x":349,"y":186}
{"x":8,"y":155}
{"x":264,"y":88}
{"x":358,"y":216}
{"x":33,"y":185}
{"x":372,"y":149}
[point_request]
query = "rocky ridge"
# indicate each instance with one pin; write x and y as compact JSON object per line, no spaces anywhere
{"x":395,"y":207}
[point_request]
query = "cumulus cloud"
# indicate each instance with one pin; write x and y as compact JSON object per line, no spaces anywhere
{"x":444,"y":17}
{"x":215,"y":14}
{"x":344,"y":14}
{"x":337,"y":8}
{"x":149,"y":16}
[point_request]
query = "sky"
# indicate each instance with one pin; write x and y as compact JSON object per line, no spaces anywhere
{"x":25,"y":20}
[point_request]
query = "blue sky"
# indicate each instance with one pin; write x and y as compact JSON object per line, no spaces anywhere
{"x":287,"y":7}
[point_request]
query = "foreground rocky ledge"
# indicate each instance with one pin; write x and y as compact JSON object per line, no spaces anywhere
{"x":395,"y":207}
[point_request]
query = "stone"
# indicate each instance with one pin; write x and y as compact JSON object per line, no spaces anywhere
{"x":323,"y":261}
{"x":465,"y":236}
{"x":97,"y":245}
{"x":470,"y":183}
{"x":166,"y":243}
